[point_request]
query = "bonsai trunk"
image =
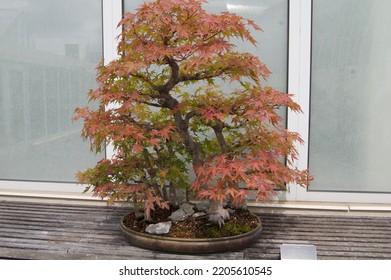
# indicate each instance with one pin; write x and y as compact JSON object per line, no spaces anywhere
{"x":217,"y":213}
{"x":169,"y":194}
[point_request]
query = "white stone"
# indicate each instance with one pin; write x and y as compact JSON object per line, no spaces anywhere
{"x":188,"y":208}
{"x":159,"y":228}
{"x":203,"y":205}
{"x":198,"y":214}
{"x":178,"y":215}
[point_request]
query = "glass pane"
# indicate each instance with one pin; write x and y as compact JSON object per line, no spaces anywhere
{"x":48,"y":54}
{"x":272,"y":16}
{"x":350,"y":128}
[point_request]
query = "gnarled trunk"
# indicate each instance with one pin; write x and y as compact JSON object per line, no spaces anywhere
{"x":217,"y":213}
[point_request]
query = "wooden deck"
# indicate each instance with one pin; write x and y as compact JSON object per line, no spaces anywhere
{"x":30,"y":230}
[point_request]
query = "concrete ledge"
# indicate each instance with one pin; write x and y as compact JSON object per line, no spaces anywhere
{"x":300,"y":206}
{"x":319,"y":208}
{"x":370,"y":208}
{"x":50,"y":197}
{"x":353,"y":209}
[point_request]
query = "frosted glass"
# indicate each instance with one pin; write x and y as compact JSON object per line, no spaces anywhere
{"x":350,"y":125}
{"x":272,"y":16}
{"x":48,"y":54}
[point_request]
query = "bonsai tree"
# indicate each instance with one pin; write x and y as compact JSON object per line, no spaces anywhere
{"x":184,"y":108}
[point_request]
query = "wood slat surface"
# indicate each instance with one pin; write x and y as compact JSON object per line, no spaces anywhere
{"x":53,"y":231}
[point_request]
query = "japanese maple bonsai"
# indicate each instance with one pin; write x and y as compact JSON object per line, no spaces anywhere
{"x":183,"y":108}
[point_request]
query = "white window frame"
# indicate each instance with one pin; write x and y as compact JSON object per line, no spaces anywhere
{"x":111,"y":15}
{"x":299,"y":74}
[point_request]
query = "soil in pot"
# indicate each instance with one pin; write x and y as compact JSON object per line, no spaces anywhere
{"x":241,"y":221}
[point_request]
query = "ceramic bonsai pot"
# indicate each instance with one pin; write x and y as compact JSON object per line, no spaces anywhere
{"x":193,"y":246}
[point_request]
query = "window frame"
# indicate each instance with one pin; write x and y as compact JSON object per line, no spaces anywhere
{"x":111,"y":15}
{"x":299,"y":83}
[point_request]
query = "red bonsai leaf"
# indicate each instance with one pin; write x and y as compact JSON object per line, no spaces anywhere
{"x":154,"y":141}
{"x":181,"y":94}
{"x":137,"y":148}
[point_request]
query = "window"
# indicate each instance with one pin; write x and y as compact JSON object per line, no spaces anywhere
{"x":48,"y":54}
{"x":272,"y":16}
{"x":350,"y":127}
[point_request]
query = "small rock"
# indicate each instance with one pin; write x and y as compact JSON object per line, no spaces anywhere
{"x":178,"y":215}
{"x":159,"y":228}
{"x":199,"y":214}
{"x":188,"y":208}
{"x":203,"y":205}
{"x":185,"y":211}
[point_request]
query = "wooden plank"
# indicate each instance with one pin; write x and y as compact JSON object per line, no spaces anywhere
{"x":367,"y":237}
{"x":30,"y":254}
{"x":326,"y":222}
{"x":319,"y":227}
{"x":55,"y":205}
{"x":365,"y":246}
{"x":50,"y":231}
{"x":304,"y":239}
{"x":21,"y":212}
{"x":131,"y":252}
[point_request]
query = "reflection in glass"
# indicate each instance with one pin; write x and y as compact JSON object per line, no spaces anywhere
{"x":48,"y":54}
{"x":350,"y":128}
{"x":272,"y":16}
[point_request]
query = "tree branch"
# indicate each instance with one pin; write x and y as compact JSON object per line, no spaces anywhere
{"x":167,"y":101}
{"x":193,"y":147}
{"x":174,"y":79}
{"x":218,"y":129}
{"x":152,"y":104}
{"x":145,"y":79}
{"x":202,"y":75}
{"x":191,"y":114}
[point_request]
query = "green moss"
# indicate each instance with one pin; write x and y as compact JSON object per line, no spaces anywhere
{"x":213,"y":232}
{"x":229,"y":229}
{"x":236,"y":229}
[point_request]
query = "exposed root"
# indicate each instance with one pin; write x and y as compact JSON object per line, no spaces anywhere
{"x":217,"y":214}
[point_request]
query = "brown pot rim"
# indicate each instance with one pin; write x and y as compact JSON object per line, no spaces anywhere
{"x":194,"y":246}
